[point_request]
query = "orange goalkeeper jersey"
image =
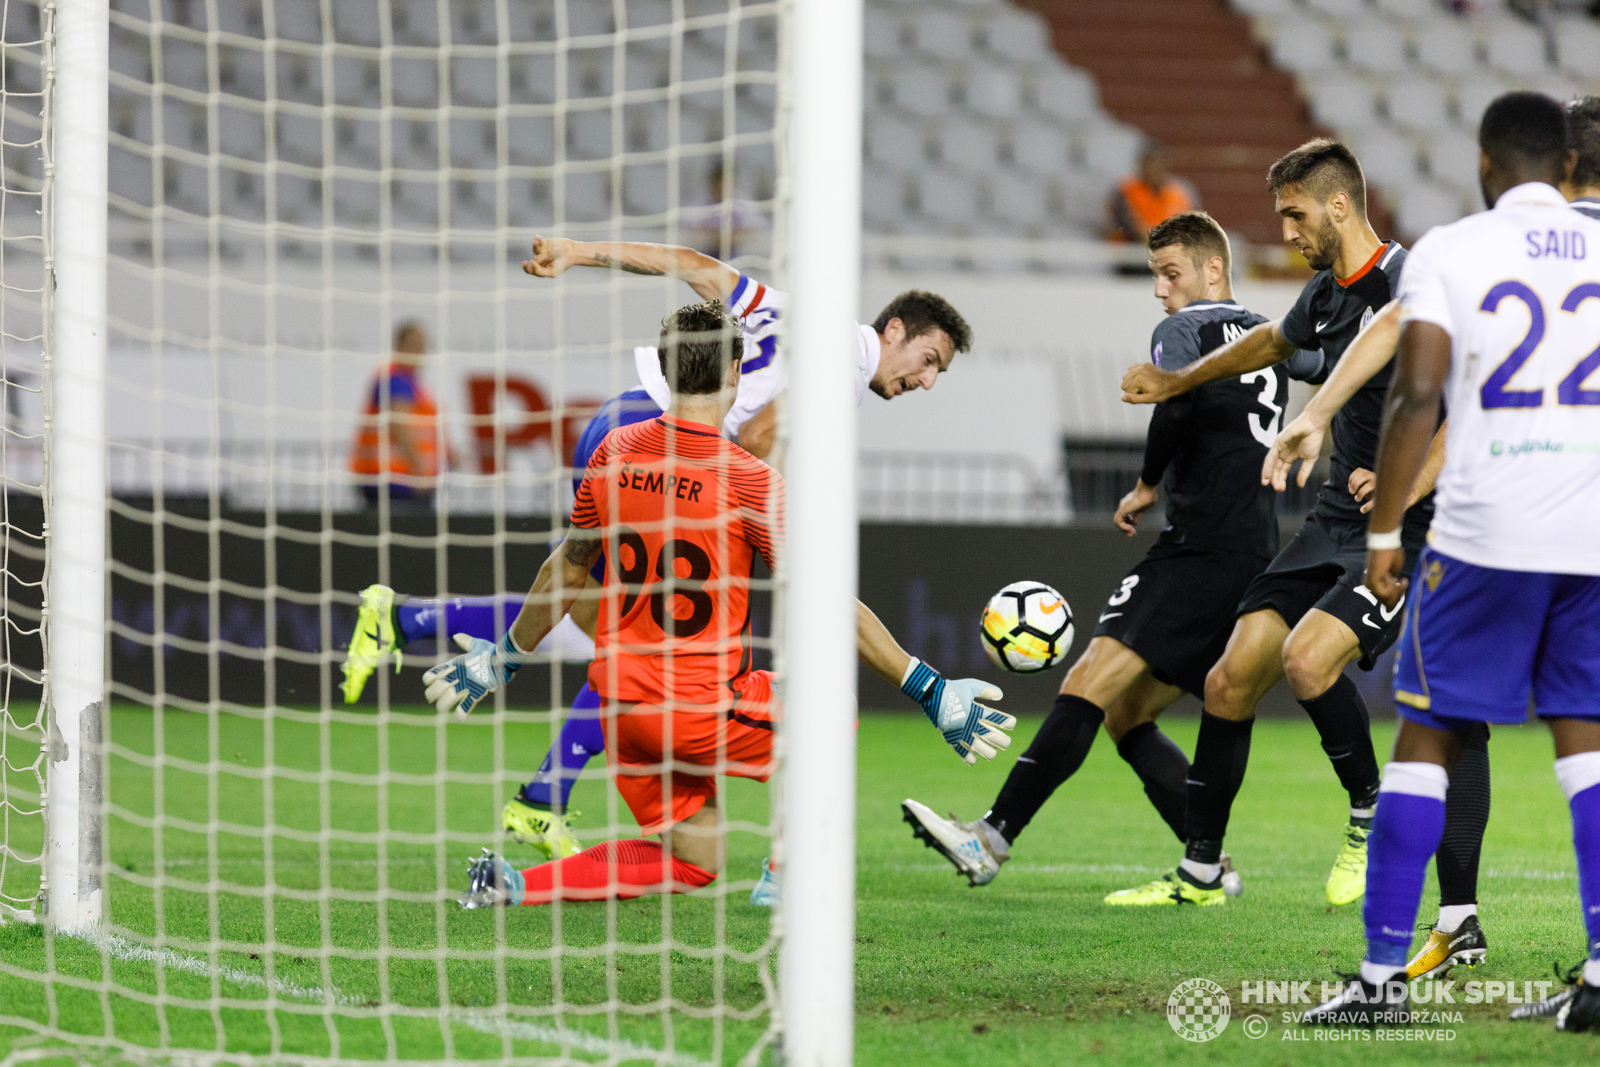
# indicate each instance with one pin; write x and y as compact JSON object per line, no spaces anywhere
{"x":683,"y":513}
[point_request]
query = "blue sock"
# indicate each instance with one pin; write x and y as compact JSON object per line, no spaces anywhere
{"x":488,"y":617}
{"x":1406,"y":830}
{"x":1580,"y":780}
{"x":581,"y":739}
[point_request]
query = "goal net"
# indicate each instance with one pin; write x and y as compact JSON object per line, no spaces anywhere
{"x":316,"y":212}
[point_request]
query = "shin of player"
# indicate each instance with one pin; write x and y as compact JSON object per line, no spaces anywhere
{"x":1167,"y":622}
{"x":1505,"y":600}
{"x":681,"y":705}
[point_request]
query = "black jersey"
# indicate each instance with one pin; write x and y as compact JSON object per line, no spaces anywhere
{"x":1206,"y":446}
{"x":1588,"y":205}
{"x":1328,"y":315}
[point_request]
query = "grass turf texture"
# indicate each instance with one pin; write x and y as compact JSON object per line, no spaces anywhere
{"x":1032,"y":969}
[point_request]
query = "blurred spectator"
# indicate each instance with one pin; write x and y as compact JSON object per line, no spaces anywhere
{"x":1151,"y":196}
{"x":723,"y":214}
{"x":397,"y":437}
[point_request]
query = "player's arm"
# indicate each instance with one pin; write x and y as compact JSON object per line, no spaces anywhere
{"x":459,"y":684}
{"x":710,"y":278}
{"x":1363,"y":481}
{"x":1262,"y":346}
{"x":1162,"y":440}
{"x":1301,"y":440}
{"x":758,"y":434}
{"x":971,"y":728}
{"x":1409,"y":418}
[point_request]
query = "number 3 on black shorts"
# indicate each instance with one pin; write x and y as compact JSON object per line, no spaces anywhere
{"x":1121,"y":595}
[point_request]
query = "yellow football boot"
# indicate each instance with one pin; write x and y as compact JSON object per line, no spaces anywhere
{"x":1465,"y":945}
{"x":372,"y":641}
{"x":1348,"y":879}
{"x":1171,"y":888}
{"x":541,"y":828}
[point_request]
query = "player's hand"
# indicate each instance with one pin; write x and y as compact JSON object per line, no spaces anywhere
{"x":1385,"y":575}
{"x":551,"y":257}
{"x":971,"y":728}
{"x":1146,"y":383}
{"x":458,"y":684}
{"x":1133,"y":506}
{"x":1300,"y":441}
{"x":1362,"y":483}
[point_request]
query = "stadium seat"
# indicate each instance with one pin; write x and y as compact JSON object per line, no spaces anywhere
{"x":1376,"y":45}
{"x":1018,"y":199}
{"x":1342,"y":9}
{"x":1387,"y":156}
{"x":993,"y":91}
{"x":1266,"y":8}
{"x":1065,"y":93}
{"x":1417,"y":102}
{"x":1344,"y":101}
{"x":883,"y":196}
{"x":644,"y":188}
{"x":414,"y":82}
{"x":1304,"y":46}
{"x":1515,"y":48}
{"x":969,"y":145}
{"x":587,"y":195}
{"x":297,"y":20}
{"x":1447,"y":46}
{"x":589,"y":134}
{"x":472,"y":142}
{"x":947,"y":196}
{"x":531,"y":140}
{"x":942,"y":32}
{"x":921,"y":90}
{"x":1422,"y":207}
{"x":1453,"y":158}
{"x":532,"y":78}
{"x":1016,"y":34}
{"x":299,"y":138}
{"x":1578,"y":47}
{"x":357,"y":142}
{"x":241,"y":133}
{"x":1039,"y":149}
{"x":881,"y":32}
{"x":474,"y":81}
{"x":1475,"y":95}
{"x":183,"y":63}
{"x":1409,"y":9}
{"x":1111,"y":148}
{"x":358,"y":24}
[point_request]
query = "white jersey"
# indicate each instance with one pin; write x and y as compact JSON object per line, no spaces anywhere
{"x":1518,"y":291}
{"x":763,"y":373}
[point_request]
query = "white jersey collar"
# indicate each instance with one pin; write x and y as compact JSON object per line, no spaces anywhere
{"x":647,"y":361}
{"x":869,"y":357}
{"x":1531,"y":193}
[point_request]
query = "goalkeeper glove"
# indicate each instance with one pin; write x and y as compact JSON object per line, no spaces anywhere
{"x":972,"y":729}
{"x":458,"y":684}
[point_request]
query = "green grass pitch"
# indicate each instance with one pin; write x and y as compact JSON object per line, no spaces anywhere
{"x":1031,"y":970}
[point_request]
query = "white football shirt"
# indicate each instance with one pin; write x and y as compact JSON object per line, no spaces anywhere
{"x":763,"y":373}
{"x":1518,"y":291}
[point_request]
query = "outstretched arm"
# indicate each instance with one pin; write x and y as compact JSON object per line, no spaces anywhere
{"x":1262,"y":346}
{"x":710,"y":278}
{"x":1301,"y":440}
{"x":1408,"y":435}
{"x":556,"y":588}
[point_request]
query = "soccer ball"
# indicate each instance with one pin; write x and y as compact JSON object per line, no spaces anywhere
{"x":1027,"y":627}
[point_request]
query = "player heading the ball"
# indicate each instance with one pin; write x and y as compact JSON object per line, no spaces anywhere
{"x":680,"y":514}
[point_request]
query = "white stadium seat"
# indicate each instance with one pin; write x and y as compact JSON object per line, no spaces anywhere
{"x":1016,"y":34}
{"x":943,"y":33}
{"x":883,"y":195}
{"x":1111,"y":148}
{"x":1417,"y":102}
{"x":1339,"y":8}
{"x":882,"y":32}
{"x":1304,"y":46}
{"x":1265,"y":8}
{"x":1065,"y":93}
{"x":1409,"y":9}
{"x":1475,"y":95}
{"x":1515,"y":48}
{"x":1578,"y":48}
{"x":993,"y":91}
{"x":1344,"y":101}
{"x":1387,"y":157}
{"x":947,"y":196}
{"x":1040,"y":149}
{"x":921,"y":89}
{"x":1447,"y":46}
{"x":1018,"y":199}
{"x":1422,"y":206}
{"x":969,"y":145}
{"x":895,"y":141}
{"x":1453,"y":158}
{"x":1376,"y":45}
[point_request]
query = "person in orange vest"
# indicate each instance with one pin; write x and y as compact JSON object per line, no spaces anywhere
{"x":397,"y":436}
{"x":1151,"y":196}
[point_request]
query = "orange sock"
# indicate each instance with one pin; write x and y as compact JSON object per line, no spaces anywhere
{"x":614,"y":869}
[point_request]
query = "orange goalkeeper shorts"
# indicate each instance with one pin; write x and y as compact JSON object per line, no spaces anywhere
{"x":667,"y":762}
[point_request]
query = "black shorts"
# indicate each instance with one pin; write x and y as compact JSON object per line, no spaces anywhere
{"x":1176,"y":609}
{"x":1323,"y":568}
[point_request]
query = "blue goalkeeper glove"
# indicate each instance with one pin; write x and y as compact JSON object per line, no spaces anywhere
{"x":458,"y":684}
{"x":971,"y":728}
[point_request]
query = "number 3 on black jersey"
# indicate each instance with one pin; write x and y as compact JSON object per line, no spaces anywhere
{"x":1265,"y":431}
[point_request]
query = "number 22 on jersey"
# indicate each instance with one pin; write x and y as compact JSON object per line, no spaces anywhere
{"x":1496,"y":391}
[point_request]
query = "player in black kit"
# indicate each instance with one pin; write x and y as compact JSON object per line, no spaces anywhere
{"x":1307,"y":616}
{"x":1169,"y":619}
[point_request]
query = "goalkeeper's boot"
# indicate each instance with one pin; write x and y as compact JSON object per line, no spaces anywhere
{"x":544,"y":829}
{"x":1364,"y":1004}
{"x":975,"y":848}
{"x":1552,"y":1005}
{"x":1174,"y":887}
{"x":768,"y":890}
{"x":1465,"y":945}
{"x":1582,"y":1010}
{"x":372,"y":641}
{"x":490,"y":881}
{"x":1348,"y":879}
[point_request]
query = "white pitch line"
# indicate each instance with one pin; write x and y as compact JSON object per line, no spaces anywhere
{"x":120,"y":948}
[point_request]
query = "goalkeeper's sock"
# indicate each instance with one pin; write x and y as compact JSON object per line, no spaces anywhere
{"x":1056,"y":753}
{"x":619,"y":870}
{"x":580,"y":740}
{"x":1341,"y":719}
{"x":1220,"y":756}
{"x":487,"y":617}
{"x":1162,"y":767}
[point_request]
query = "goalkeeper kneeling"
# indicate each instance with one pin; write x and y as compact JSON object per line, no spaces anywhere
{"x":680,"y":514}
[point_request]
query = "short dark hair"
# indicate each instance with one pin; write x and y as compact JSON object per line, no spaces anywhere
{"x":697,"y":344}
{"x":405,"y":328}
{"x":1583,"y":137}
{"x":1524,"y":127}
{"x":1323,"y":168}
{"x":920,"y":311}
{"x":1198,"y":232}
